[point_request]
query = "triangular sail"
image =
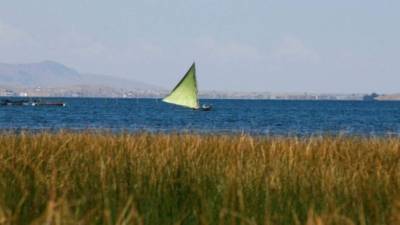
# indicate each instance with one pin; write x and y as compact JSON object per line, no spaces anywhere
{"x":185,"y":93}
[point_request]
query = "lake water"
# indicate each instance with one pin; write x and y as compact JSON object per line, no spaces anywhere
{"x":265,"y":117}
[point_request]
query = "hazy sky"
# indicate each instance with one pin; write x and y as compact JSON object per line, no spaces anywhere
{"x":279,"y":46}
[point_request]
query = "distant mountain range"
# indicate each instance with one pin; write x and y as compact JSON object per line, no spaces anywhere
{"x":44,"y":74}
{"x":52,"y":74}
{"x":49,"y":78}
{"x":52,"y":79}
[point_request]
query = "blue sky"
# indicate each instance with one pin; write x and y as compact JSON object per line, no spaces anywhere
{"x":279,"y":46}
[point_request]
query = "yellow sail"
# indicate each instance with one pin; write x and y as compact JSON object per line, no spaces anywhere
{"x":185,"y":92}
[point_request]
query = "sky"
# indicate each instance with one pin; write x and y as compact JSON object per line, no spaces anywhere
{"x":318,"y":46}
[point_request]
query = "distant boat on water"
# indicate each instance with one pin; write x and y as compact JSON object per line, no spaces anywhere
{"x":24,"y":102}
{"x":185,"y":93}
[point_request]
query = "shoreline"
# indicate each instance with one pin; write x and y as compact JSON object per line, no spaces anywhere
{"x":234,"y":134}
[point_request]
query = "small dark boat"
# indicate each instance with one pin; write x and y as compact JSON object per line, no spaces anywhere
{"x":8,"y":102}
{"x":62,"y":104}
{"x":205,"y":108}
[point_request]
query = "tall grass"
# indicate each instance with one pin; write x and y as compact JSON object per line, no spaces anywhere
{"x":89,"y":178}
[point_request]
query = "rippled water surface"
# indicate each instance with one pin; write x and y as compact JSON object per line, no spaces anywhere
{"x":229,"y":116}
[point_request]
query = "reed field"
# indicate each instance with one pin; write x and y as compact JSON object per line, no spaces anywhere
{"x":157,"y":179}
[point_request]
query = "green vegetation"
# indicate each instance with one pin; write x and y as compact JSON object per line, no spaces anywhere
{"x":156,"y":179}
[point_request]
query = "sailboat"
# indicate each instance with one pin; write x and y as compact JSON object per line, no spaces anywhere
{"x":185,"y":93}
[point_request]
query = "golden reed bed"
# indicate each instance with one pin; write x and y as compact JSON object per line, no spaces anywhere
{"x":89,"y":178}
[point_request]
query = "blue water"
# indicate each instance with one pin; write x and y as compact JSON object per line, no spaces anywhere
{"x":269,"y":117}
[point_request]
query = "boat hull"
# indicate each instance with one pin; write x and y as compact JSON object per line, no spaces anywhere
{"x":205,"y":108}
{"x":8,"y":102}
